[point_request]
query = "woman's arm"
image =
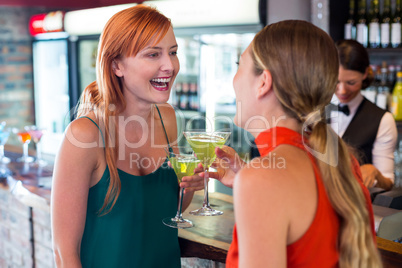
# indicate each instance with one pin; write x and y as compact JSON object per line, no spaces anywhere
{"x":383,"y":155}
{"x":74,"y":172}
{"x":261,"y":226}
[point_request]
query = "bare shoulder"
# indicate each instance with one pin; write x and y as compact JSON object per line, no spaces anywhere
{"x":277,"y":173}
{"x":167,"y":111}
{"x":168,"y":115}
{"x":83,"y":132}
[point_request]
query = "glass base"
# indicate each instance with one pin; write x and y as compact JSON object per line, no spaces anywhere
{"x":177,"y":223}
{"x":27,"y":159}
{"x":5,"y":160}
{"x":39,"y":163}
{"x":206,"y":211}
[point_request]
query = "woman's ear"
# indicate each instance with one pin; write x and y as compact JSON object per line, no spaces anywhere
{"x":116,"y":68}
{"x":366,"y":73}
{"x":265,"y":84}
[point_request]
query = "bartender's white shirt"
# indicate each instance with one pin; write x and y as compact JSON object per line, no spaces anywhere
{"x":384,"y":144}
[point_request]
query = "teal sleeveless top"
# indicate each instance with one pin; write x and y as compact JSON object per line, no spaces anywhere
{"x":132,"y":234}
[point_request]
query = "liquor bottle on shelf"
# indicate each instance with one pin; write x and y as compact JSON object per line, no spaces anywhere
{"x":350,"y":27}
{"x":361,"y":26}
{"x":194,"y":96}
{"x":370,"y":92}
{"x":184,"y":98}
{"x":374,"y":25}
{"x":386,"y":24}
{"x":396,"y":108}
{"x":391,"y":76}
{"x":383,"y":95}
{"x":178,"y":90}
{"x":396,"y":25}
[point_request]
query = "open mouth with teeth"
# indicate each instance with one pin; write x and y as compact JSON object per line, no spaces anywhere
{"x":161,"y":84}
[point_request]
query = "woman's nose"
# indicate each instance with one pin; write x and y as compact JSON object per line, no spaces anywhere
{"x":167,"y":63}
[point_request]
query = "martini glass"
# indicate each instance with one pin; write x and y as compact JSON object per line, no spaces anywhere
{"x":203,"y":144}
{"x":36,"y":135}
{"x":4,"y":134}
{"x":25,"y":139}
{"x":183,"y":165}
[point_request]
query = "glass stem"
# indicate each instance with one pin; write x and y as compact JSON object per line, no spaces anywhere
{"x":38,"y":151}
{"x":1,"y":151}
{"x":206,"y":176}
{"x":179,"y":208}
{"x":25,"y":150}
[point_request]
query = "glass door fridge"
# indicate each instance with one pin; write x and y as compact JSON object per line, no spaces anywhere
{"x":51,"y":88}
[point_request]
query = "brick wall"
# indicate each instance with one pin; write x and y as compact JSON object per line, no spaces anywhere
{"x":16,"y":78}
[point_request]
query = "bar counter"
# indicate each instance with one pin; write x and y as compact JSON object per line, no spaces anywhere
{"x":209,"y":239}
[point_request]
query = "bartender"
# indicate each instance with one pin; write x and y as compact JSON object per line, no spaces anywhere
{"x":368,"y":129}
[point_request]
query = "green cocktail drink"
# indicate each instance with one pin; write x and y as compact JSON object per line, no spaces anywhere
{"x":204,"y":147}
{"x":183,"y":165}
{"x":204,"y":144}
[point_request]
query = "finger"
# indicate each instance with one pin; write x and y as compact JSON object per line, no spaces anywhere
{"x":192,"y":185}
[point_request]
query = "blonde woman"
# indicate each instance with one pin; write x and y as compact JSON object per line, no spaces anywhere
{"x":302,"y":203}
{"x":112,"y":186}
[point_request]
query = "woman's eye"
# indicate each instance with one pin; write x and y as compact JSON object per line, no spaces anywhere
{"x":174,"y":53}
{"x":153,"y":55}
{"x":237,"y":63}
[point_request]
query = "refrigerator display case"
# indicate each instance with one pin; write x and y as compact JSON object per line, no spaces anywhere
{"x":50,"y":50}
{"x":51,"y":90}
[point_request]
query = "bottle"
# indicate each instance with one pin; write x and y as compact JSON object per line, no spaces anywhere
{"x":350,"y":27}
{"x":396,"y":108}
{"x":193,"y":96}
{"x":391,"y":76}
{"x":184,"y":98}
{"x":374,"y":25}
{"x":386,"y":25}
{"x":383,"y":95}
{"x":396,"y":25}
{"x":361,"y":26}
{"x":370,"y":92}
{"x":176,"y":99}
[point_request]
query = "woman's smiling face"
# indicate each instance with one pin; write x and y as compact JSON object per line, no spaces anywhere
{"x":150,"y":74}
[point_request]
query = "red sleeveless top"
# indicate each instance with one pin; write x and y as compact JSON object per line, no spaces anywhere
{"x":318,"y":246}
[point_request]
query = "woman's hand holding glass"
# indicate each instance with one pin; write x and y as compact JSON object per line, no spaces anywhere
{"x":195,"y":182}
{"x":226,"y":164}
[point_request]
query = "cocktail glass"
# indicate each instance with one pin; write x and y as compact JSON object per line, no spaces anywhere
{"x":203,"y":144}
{"x":36,"y":135}
{"x":183,"y":165}
{"x":25,"y":139}
{"x":4,"y":134}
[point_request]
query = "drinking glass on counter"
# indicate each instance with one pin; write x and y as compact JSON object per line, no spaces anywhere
{"x":4,"y":134}
{"x":25,"y":139}
{"x":36,"y":136}
{"x":203,"y":144}
{"x":183,"y":165}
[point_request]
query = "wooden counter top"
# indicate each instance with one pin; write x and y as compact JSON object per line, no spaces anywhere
{"x":210,"y":238}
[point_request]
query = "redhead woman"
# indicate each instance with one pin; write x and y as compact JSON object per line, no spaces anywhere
{"x":112,"y":186}
{"x":302,"y":203}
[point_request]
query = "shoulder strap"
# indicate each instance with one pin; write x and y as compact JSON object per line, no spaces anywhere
{"x":96,"y":126}
{"x":164,"y":129}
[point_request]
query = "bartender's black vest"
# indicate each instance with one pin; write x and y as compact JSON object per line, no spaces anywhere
{"x":362,"y":130}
